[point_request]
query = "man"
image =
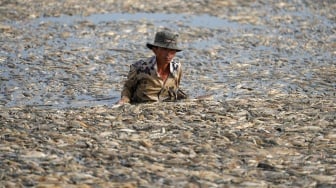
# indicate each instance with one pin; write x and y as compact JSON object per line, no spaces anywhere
{"x":158,"y":77}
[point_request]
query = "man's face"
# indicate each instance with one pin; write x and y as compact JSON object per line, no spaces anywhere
{"x":164,"y":55}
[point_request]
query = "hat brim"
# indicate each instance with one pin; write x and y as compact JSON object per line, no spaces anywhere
{"x":150,"y":46}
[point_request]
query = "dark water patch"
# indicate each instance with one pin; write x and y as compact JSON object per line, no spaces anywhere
{"x":73,"y":61}
{"x":162,"y":19}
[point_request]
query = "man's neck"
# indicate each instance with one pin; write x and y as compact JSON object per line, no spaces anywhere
{"x":163,"y":70}
{"x":162,"y":66}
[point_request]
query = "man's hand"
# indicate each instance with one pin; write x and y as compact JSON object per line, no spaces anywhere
{"x":123,"y":100}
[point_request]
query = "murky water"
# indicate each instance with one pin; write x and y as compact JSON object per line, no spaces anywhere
{"x":270,"y":66}
{"x":73,"y":61}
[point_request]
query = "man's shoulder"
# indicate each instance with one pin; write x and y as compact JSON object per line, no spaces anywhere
{"x":144,"y":66}
{"x":143,"y":62}
{"x":176,"y":61}
{"x":175,"y":67}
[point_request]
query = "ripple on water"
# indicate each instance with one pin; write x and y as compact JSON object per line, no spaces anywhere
{"x":74,"y":61}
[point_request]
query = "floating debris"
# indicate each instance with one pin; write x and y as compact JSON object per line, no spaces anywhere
{"x":261,"y":76}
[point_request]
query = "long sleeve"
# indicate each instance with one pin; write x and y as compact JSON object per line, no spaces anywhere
{"x":180,"y":94}
{"x":129,"y":84}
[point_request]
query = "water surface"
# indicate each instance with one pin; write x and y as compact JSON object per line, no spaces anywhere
{"x":74,"y":61}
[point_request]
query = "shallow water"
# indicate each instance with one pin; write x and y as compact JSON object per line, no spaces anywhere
{"x":270,"y":66}
{"x":74,"y":61}
{"x":206,"y":21}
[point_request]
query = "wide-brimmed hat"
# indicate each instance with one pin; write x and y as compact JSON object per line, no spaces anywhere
{"x":165,"y":39}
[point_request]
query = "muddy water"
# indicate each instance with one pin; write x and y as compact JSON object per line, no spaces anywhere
{"x":73,"y":61}
{"x":269,"y":65}
{"x":57,"y":61}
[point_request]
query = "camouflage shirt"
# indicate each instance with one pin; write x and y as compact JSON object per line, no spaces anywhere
{"x":143,"y":83}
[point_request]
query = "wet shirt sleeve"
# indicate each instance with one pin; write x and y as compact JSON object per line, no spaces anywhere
{"x":130,"y":83}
